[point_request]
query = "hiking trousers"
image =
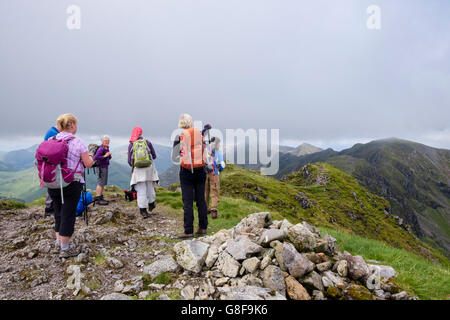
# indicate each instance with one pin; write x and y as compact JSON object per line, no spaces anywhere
{"x":212,"y":191}
{"x":145,"y":193}
{"x":65,"y":213}
{"x":193,"y":188}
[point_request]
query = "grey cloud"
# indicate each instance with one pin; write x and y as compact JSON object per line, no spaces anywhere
{"x":313,"y":69}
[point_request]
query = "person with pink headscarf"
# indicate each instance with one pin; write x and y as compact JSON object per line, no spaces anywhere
{"x":143,"y":180}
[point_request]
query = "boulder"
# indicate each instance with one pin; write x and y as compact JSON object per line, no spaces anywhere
{"x":324,"y":266}
{"x":341,"y":268}
{"x":227,"y":265}
{"x":250,"y":280}
{"x":143,"y":294}
{"x":335,"y":279}
{"x":191,"y":254}
{"x":221,"y":281}
{"x":270,"y":235}
{"x":390,"y":286}
{"x":218,"y":238}
{"x":313,"y":281}
{"x":382,"y":271}
{"x":302,"y":238}
{"x":116,"y":296}
{"x":314,"y":257}
{"x":401,"y":296}
{"x":188,"y":293}
{"x":285,"y":224}
{"x":333,"y":292}
{"x":297,"y":264}
{"x":114,"y":262}
{"x":265,"y":262}
{"x":273,"y":279}
{"x":382,"y":295}
{"x":211,"y":257}
{"x":74,"y":280}
{"x":268,"y":252}
{"x":251,"y":265}
{"x":295,"y":290}
{"x":357,"y":292}
{"x":357,"y":267}
{"x":278,"y":246}
{"x":327,"y":282}
{"x":133,"y":286}
{"x":248,"y":293}
{"x":242,"y":248}
{"x":163,"y":264}
{"x":318,"y":295}
{"x":253,"y":223}
{"x":373,"y":282}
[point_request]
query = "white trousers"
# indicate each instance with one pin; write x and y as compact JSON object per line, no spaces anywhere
{"x":145,"y":193}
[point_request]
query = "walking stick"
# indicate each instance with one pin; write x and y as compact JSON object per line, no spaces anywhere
{"x":85,"y":204}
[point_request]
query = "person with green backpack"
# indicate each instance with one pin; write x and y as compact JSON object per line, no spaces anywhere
{"x":144,"y":176}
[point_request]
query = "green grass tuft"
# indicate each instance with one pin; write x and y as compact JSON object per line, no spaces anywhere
{"x":8,"y":204}
{"x":426,"y":279}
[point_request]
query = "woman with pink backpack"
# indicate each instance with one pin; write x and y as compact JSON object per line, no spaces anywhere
{"x":61,"y":161}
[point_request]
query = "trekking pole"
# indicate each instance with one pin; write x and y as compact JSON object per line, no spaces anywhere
{"x":86,"y":219}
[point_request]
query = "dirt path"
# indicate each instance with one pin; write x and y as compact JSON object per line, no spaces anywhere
{"x":29,"y":270}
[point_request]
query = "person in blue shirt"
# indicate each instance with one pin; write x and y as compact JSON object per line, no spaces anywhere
{"x":53,"y":131}
{"x":212,"y":187}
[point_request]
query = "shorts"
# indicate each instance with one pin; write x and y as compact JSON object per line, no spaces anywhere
{"x":102,"y":179}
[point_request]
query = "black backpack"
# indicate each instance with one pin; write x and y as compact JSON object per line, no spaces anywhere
{"x":92,"y":148}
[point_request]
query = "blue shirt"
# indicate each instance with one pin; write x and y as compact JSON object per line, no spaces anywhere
{"x":219,"y":164}
{"x":51,"y":133}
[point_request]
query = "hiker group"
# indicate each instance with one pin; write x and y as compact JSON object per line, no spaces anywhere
{"x":62,"y":158}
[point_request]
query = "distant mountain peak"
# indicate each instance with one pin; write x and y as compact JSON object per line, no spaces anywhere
{"x":304,"y":149}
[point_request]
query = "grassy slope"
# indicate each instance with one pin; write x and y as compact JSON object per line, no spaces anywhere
{"x":23,"y":185}
{"x":8,"y":204}
{"x":398,"y":169}
{"x":332,"y":206}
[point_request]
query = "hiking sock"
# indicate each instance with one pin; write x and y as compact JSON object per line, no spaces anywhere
{"x":65,"y":246}
{"x":58,"y":242}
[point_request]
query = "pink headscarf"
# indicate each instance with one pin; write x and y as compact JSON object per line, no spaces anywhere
{"x":135,"y":134}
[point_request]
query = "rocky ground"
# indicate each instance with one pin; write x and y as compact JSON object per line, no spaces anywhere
{"x":116,"y":245}
{"x":126,"y":257}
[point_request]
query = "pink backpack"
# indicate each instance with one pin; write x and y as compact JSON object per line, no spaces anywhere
{"x":51,"y":157}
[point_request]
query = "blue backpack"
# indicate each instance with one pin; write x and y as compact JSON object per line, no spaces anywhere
{"x":80,"y":206}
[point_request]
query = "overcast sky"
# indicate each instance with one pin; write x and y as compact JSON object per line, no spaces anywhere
{"x":309,"y":68}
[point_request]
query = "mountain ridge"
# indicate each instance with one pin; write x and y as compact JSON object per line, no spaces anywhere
{"x":415,"y":178}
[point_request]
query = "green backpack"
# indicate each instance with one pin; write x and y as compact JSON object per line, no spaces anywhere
{"x":142,"y":158}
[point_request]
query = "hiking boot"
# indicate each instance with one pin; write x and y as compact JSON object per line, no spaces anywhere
{"x":71,"y":252}
{"x":151,"y":206}
{"x":185,"y":236}
{"x":56,"y":248}
{"x":201,"y":232}
{"x":214,"y":214}
{"x":100,"y":201}
{"x":144,"y":212}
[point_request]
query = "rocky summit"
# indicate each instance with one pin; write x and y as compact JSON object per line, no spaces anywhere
{"x":124,"y":257}
{"x":300,"y":264}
